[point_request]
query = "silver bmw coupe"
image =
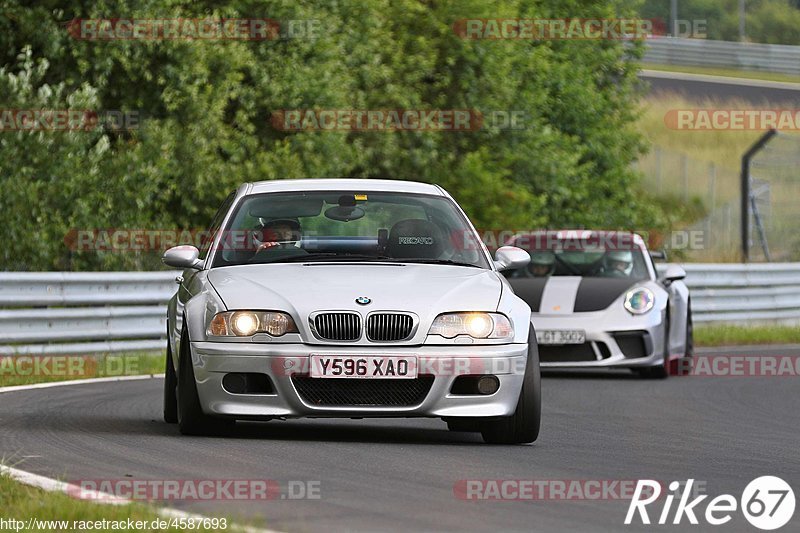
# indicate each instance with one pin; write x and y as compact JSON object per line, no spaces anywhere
{"x":349,"y":298}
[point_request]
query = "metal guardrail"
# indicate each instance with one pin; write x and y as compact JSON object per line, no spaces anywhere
{"x":727,"y":54}
{"x":88,"y":312}
{"x":83,"y":312}
{"x":744,"y":293}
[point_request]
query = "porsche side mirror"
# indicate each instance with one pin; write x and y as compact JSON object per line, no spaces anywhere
{"x":673,"y":273}
{"x":184,"y":256}
{"x":511,"y":258}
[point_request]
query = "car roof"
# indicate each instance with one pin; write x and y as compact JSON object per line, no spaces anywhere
{"x":348,"y":184}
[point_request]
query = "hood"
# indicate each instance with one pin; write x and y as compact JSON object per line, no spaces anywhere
{"x":570,"y":294}
{"x":426,"y":290}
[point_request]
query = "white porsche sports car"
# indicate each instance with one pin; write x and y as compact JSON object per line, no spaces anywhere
{"x":349,"y":298}
{"x":597,"y":302}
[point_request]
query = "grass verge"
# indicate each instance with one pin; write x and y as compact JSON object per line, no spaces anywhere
{"x":724,"y":148}
{"x":729,"y":72}
{"x":25,"y":370}
{"x":55,"y":511}
{"x":727,"y":335}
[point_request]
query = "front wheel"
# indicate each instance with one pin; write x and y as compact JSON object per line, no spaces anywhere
{"x":191,"y":418}
{"x":170,"y":386}
{"x":523,"y":426}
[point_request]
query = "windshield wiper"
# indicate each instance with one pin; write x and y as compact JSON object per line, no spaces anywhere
{"x":438,"y":262}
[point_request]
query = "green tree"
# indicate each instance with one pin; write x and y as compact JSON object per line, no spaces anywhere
{"x":205,"y":108}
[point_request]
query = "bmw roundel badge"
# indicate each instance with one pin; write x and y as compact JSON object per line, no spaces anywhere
{"x":363,"y":300}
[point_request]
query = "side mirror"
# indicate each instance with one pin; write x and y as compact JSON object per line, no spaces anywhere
{"x":511,"y":258}
{"x":184,"y":256}
{"x":674,"y":273}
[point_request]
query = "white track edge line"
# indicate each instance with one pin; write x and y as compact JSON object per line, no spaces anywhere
{"x":53,"y":485}
{"x":49,"y":384}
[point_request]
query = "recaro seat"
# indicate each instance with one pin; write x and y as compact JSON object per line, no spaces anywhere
{"x":414,"y":238}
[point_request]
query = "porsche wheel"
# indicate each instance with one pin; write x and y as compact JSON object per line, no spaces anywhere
{"x":684,"y":365}
{"x":191,"y":418}
{"x":523,"y":425}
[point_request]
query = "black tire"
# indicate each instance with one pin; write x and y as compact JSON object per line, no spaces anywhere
{"x":523,"y":425}
{"x":683,"y":367}
{"x":170,"y":390}
{"x":191,"y":418}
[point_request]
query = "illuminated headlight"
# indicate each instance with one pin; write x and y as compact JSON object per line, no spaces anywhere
{"x":639,"y":301}
{"x":476,"y":325}
{"x":248,"y":323}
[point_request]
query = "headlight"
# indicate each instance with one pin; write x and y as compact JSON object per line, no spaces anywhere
{"x":639,"y":301}
{"x":248,"y":323}
{"x":476,"y":325}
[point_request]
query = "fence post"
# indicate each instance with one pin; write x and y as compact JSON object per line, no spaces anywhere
{"x":712,"y":187}
{"x":658,"y":169}
{"x":745,"y":193}
{"x":685,"y":170}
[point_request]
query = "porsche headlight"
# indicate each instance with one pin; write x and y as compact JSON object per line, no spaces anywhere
{"x":476,"y":325}
{"x":248,"y":323}
{"x":639,"y":301}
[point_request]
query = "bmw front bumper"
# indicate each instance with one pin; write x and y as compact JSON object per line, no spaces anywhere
{"x":213,"y":360}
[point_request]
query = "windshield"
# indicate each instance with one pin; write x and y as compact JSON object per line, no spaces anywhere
{"x":348,"y":226}
{"x":564,"y":258}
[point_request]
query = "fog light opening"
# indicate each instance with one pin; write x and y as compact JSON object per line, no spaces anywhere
{"x":247,"y":383}
{"x":488,"y":384}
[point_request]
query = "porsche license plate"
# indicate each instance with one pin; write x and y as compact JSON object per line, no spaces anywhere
{"x":364,"y":366}
{"x":561,"y":336}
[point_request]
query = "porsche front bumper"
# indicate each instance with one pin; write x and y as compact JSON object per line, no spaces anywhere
{"x":611,"y":340}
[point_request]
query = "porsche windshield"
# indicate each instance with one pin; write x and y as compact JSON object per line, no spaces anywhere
{"x":563,"y":259}
{"x":348,"y":226}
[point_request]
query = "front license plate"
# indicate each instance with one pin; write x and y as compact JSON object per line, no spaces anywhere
{"x":364,"y":366}
{"x":561,"y":336}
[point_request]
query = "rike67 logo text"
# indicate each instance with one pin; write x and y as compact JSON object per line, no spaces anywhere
{"x":767,"y":502}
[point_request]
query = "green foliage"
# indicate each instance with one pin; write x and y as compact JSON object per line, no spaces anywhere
{"x":205,"y":109}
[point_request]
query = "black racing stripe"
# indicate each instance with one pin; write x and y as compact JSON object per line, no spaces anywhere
{"x":530,"y":290}
{"x":595,"y":294}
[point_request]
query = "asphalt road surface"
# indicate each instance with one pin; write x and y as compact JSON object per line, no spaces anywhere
{"x":400,"y":474}
{"x":698,"y":88}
